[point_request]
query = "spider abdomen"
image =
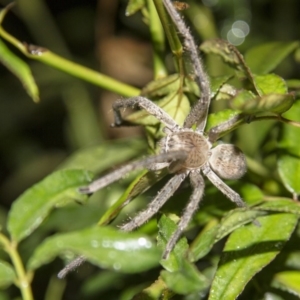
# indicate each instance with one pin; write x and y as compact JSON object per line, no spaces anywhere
{"x":194,"y":144}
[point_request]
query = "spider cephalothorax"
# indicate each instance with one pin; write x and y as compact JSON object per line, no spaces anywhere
{"x":186,"y":152}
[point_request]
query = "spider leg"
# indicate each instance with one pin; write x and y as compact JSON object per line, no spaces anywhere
{"x":198,"y":113}
{"x":153,"y":207}
{"x":71,"y":266}
{"x":223,"y":187}
{"x":136,"y":165}
{"x":146,"y":104}
{"x":198,"y":190}
{"x":214,"y":132}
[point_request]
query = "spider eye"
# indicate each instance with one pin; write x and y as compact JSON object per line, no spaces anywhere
{"x":228,"y":161}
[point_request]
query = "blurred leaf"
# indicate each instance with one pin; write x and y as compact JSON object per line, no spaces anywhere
{"x":7,"y":274}
{"x":275,"y":103}
{"x":288,"y":281}
{"x":247,"y":251}
{"x":289,"y":169}
{"x":293,"y":83}
{"x":226,"y":51}
{"x":103,"y":246}
{"x":186,"y":280}
{"x":280,"y":205}
{"x":215,"y":119}
{"x":265,"y":58}
{"x":203,"y":243}
{"x":101,"y":281}
{"x":134,"y":6}
{"x":166,"y":228}
{"x":226,"y":92}
{"x":106,"y":155}
{"x":270,"y":84}
{"x":216,"y":83}
{"x":230,"y":55}
{"x":35,"y":204}
{"x":289,"y":157}
{"x":20,"y":69}
{"x":251,"y":193}
{"x":290,"y":135}
{"x":162,"y":86}
{"x":156,"y":290}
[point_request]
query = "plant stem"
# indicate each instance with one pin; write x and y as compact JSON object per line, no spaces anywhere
{"x":47,"y":57}
{"x":23,"y":278}
{"x":158,"y":42}
{"x":170,"y":30}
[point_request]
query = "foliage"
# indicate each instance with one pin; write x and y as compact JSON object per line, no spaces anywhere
{"x":223,"y":255}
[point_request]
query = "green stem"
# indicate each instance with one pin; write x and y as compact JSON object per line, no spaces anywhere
{"x":47,"y":57}
{"x":86,"y":74}
{"x":170,"y":30}
{"x":290,"y":122}
{"x":158,"y":42}
{"x":23,"y":278}
{"x":277,"y":118}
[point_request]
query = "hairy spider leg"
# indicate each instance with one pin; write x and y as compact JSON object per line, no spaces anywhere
{"x":71,"y":266}
{"x":222,"y":186}
{"x":163,"y":195}
{"x":147,"y":105}
{"x":197,"y":194}
{"x":136,"y":165}
{"x":198,"y":113}
{"x":215,"y":132}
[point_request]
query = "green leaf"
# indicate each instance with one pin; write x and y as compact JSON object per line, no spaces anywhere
{"x":134,"y":6}
{"x":156,"y":290}
{"x":7,"y":274}
{"x":226,"y":51}
{"x":233,"y":220}
{"x":247,"y":251}
{"x":176,"y":105}
{"x":251,"y":193}
{"x":215,"y":119}
{"x":114,"y":152}
{"x":290,"y":135}
{"x":275,"y":103}
{"x":139,"y":185}
{"x":289,"y":157}
{"x":230,"y":55}
{"x":103,"y":246}
{"x":264,"y":58}
{"x":35,"y":204}
{"x":162,"y":86}
{"x":203,"y":243}
{"x":186,"y":280}
{"x":270,"y":84}
{"x":20,"y":69}
{"x":288,"y":281}
{"x":280,"y":205}
{"x":226,"y":92}
{"x":289,"y":170}
{"x":166,"y":228}
{"x":216,"y":83}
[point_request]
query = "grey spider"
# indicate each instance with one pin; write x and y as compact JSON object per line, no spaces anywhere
{"x":184,"y":151}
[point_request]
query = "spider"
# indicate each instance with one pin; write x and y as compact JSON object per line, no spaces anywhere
{"x":184,"y":151}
